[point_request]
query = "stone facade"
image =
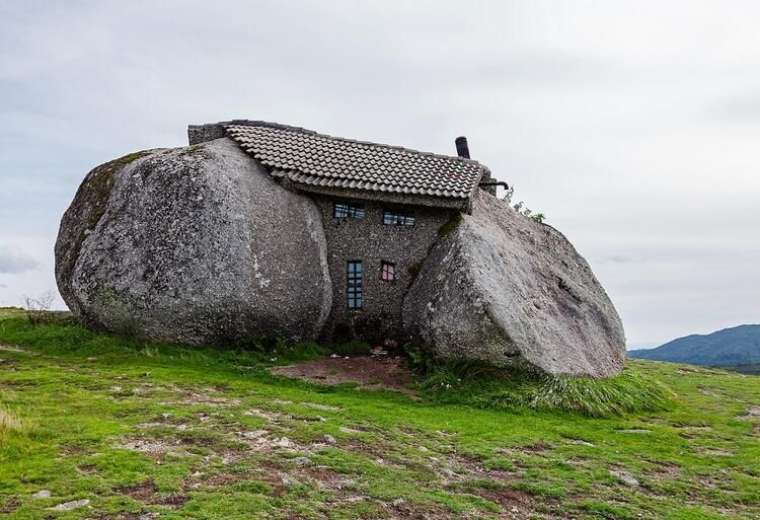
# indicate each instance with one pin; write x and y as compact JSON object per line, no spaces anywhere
{"x":369,"y":240}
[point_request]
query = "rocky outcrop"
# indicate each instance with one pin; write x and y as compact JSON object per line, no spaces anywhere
{"x":187,"y":245}
{"x":505,"y":290}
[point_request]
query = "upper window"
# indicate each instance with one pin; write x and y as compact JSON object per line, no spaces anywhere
{"x":354,"y":279}
{"x":395,"y":218}
{"x":387,"y":271}
{"x":348,"y":210}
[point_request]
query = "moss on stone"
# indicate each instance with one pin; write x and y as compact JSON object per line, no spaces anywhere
{"x":130,"y":157}
{"x":86,"y":211}
{"x":450,"y":226}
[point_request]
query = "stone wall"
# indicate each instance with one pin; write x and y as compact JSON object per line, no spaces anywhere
{"x":372,"y":242}
{"x":197,"y":134}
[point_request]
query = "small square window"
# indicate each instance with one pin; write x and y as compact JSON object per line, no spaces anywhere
{"x":394,"y":218}
{"x":387,"y":271}
{"x":348,"y":210}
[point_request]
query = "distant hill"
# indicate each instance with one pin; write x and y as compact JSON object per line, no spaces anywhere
{"x":735,"y":347}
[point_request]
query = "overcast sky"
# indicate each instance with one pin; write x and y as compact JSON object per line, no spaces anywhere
{"x":633,"y":125}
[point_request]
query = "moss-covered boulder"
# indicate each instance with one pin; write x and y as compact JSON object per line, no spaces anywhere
{"x":186,"y":245}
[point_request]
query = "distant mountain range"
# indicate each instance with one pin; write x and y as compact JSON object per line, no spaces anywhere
{"x":737,"y":348}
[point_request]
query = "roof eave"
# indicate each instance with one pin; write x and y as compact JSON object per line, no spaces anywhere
{"x":459,"y":204}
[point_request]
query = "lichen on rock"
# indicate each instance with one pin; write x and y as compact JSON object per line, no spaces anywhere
{"x":185,"y":245}
{"x":509,"y":291}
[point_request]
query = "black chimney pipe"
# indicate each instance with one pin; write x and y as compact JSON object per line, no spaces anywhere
{"x":462,"y":149}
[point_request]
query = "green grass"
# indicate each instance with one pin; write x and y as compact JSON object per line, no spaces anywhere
{"x":484,"y":387}
{"x":182,"y":432}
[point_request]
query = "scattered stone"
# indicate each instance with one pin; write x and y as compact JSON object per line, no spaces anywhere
{"x":634,"y":430}
{"x":580,"y":442}
{"x":345,"y":483}
{"x":321,"y":407}
{"x":152,"y":447}
{"x":329,"y":439}
{"x":346,"y":429}
{"x":398,"y":502}
{"x":624,"y":478}
{"x":255,"y":434}
{"x":448,"y":472}
{"x":194,"y":398}
{"x":269,"y":416}
{"x":283,"y":442}
{"x":42,"y":493}
{"x":288,"y":481}
{"x":70,"y":506}
{"x":754,"y":411}
{"x":302,"y":461}
{"x":716,"y":452}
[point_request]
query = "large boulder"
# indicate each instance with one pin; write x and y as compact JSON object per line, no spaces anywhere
{"x":506,"y":290}
{"x":193,"y":245}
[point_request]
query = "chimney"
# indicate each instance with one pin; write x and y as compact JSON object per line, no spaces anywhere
{"x":462,"y":149}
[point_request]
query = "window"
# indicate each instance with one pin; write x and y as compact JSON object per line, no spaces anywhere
{"x":387,"y":271}
{"x":354,"y":296}
{"x":394,"y":218}
{"x":348,"y":210}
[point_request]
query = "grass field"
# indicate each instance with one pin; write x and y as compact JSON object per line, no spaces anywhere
{"x":94,"y":426}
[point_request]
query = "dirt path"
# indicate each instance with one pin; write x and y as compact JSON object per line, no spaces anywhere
{"x":372,"y":372}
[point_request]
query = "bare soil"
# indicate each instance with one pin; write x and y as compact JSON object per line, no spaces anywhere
{"x":370,"y":372}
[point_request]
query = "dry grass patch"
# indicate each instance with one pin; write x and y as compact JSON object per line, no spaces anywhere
{"x":9,"y":422}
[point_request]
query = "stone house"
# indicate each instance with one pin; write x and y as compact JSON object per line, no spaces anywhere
{"x":383,"y":208}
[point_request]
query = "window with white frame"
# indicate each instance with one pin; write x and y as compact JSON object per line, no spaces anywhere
{"x":348,"y":210}
{"x":397,"y":218}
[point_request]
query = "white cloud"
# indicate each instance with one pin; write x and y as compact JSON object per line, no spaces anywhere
{"x":14,"y":262}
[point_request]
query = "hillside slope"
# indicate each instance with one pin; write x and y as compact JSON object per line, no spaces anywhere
{"x":725,"y":348}
{"x":96,"y":426}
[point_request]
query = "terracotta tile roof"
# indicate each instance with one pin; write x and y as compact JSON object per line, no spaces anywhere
{"x":322,"y":161}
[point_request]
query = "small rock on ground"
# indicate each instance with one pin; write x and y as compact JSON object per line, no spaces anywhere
{"x":70,"y":506}
{"x":42,"y":493}
{"x":625,"y":478}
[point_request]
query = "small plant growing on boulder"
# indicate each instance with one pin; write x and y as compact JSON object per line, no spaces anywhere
{"x":521,"y":208}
